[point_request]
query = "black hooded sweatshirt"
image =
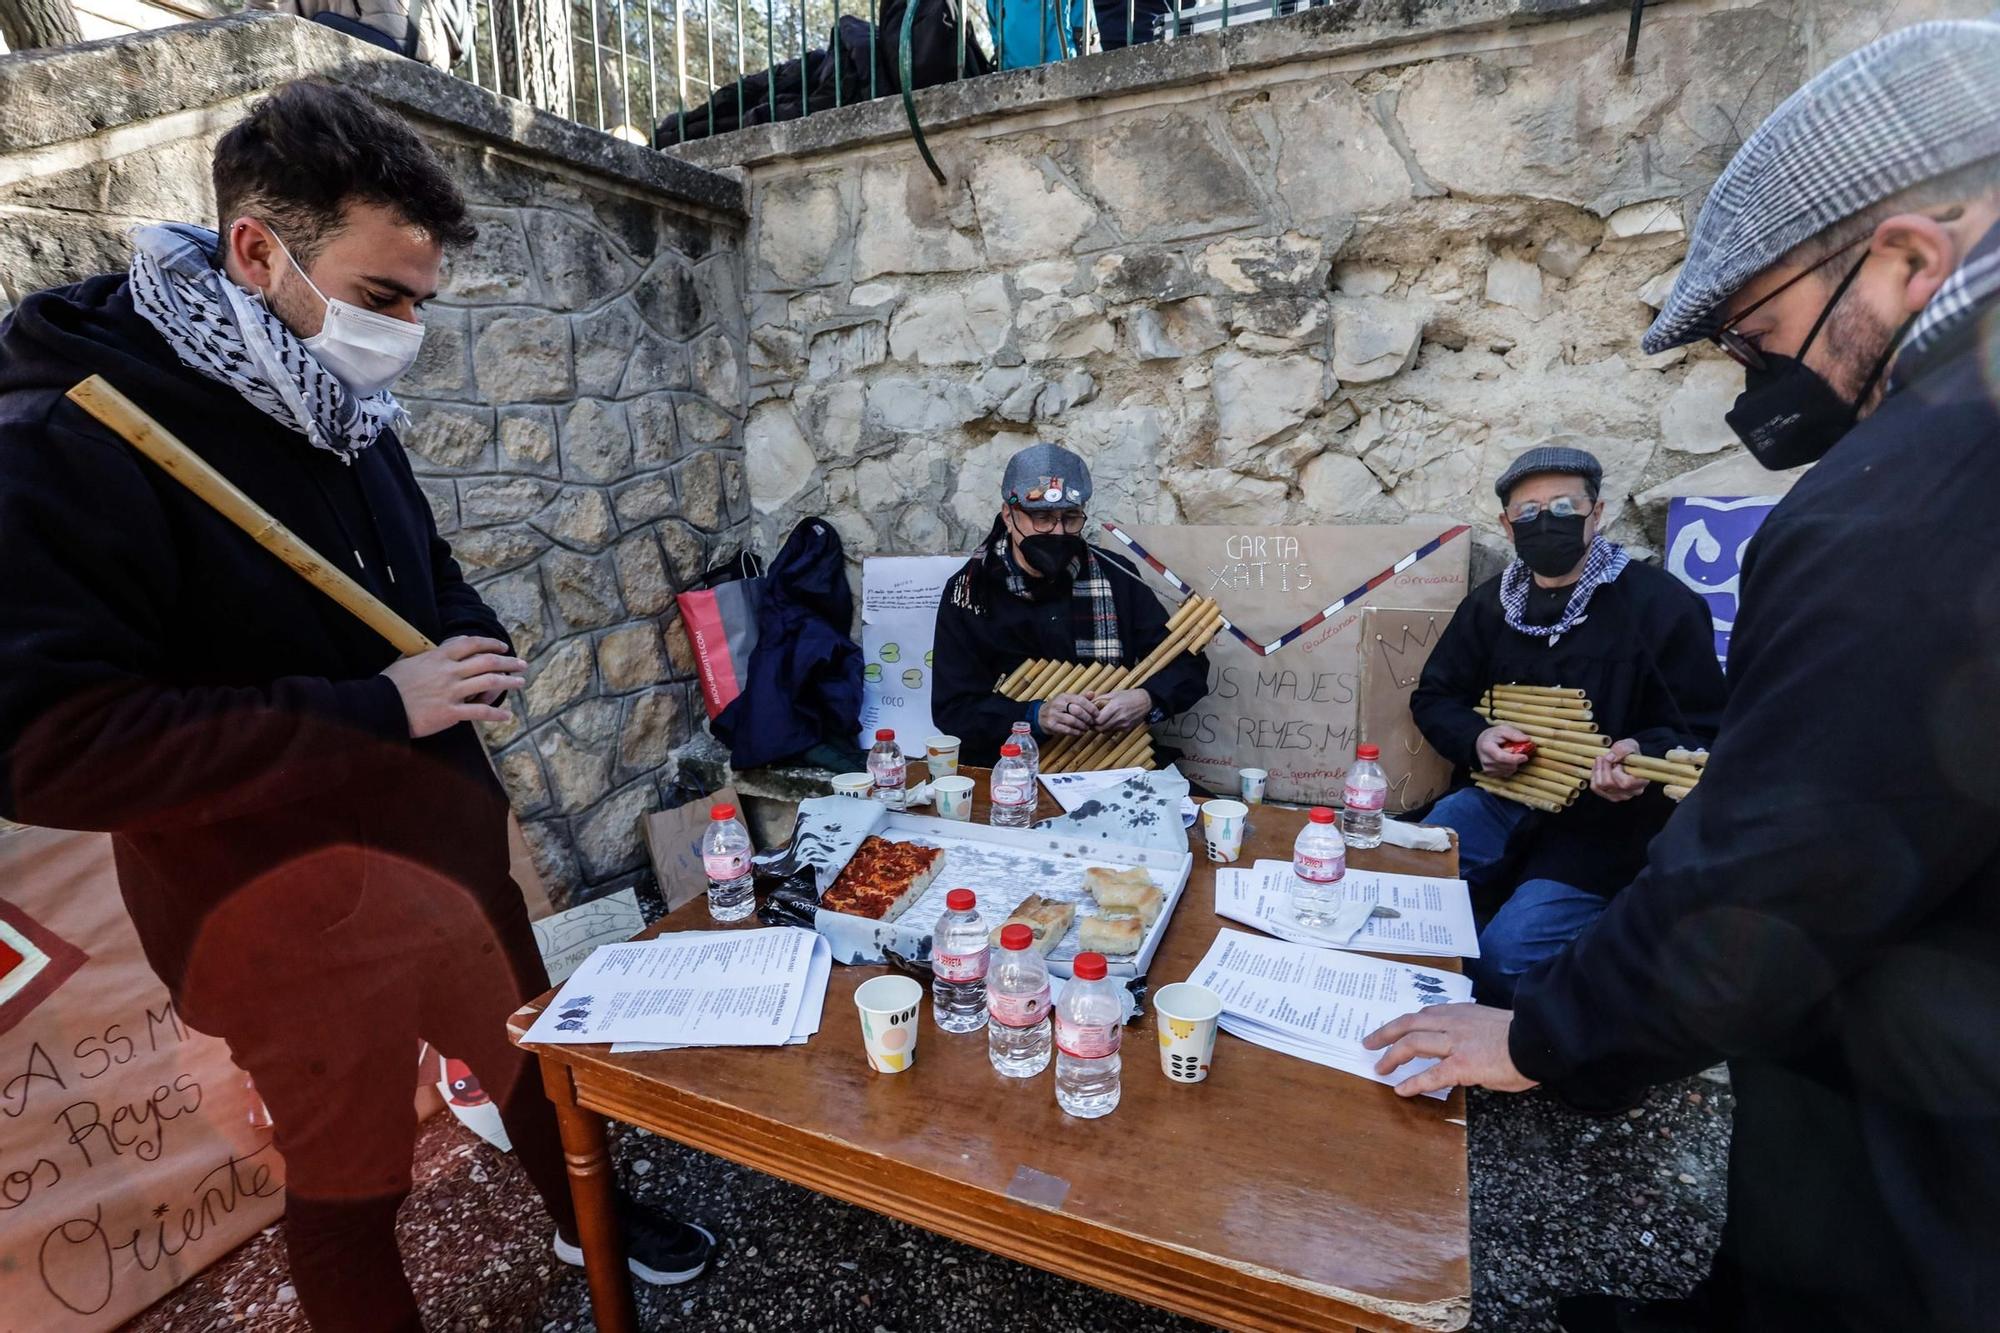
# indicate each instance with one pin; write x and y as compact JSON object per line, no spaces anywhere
{"x":165,"y":679}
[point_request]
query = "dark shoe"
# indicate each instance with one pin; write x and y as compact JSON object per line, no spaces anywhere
{"x":1620,"y":1314}
{"x":658,"y":1249}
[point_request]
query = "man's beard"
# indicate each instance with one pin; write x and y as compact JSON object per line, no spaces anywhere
{"x":1855,"y":339}
{"x":295,"y":305}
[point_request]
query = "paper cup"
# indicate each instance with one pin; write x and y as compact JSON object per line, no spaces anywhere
{"x":853,"y":784}
{"x":953,"y":796}
{"x":888,"y":1008}
{"x":1252,"y":782}
{"x":942,"y":754}
{"x":1222,"y":824}
{"x":1187,"y":1014}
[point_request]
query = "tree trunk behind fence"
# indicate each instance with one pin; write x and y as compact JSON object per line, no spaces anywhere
{"x":537,"y":62}
{"x":27,"y":24}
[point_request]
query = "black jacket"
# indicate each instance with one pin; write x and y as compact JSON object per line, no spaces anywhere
{"x":984,"y":631}
{"x":1644,"y":654}
{"x":165,"y":679}
{"x":1824,"y":910}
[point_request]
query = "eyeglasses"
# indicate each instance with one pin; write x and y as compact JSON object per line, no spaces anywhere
{"x":1746,"y":353}
{"x":1563,"y":506}
{"x":1045,"y":521}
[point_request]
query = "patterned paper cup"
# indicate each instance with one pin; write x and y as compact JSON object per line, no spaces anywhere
{"x":889,"y":1008}
{"x":1222,"y":824}
{"x":1253,"y":781}
{"x":953,"y":796}
{"x":853,"y":784}
{"x":942,"y":754}
{"x":1187,"y":1014}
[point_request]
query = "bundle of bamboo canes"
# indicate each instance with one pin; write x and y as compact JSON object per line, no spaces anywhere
{"x":1196,"y":621}
{"x":1561,"y":723}
{"x":1676,"y":774}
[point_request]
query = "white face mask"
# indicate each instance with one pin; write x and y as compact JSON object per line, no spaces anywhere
{"x":364,"y":350}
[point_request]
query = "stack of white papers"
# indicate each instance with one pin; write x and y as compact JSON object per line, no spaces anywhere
{"x":694,"y":988}
{"x":1433,"y":915}
{"x":1317,"y":1004}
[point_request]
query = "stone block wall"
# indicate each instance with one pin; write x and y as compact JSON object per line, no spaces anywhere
{"x":577,"y":409}
{"x":1336,"y":268}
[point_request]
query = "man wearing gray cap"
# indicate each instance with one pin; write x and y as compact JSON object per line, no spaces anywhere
{"x":1823,"y":911}
{"x":1037,"y":589}
{"x":1571,"y":610}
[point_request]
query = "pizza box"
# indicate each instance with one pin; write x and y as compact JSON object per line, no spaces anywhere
{"x":1004,"y":866}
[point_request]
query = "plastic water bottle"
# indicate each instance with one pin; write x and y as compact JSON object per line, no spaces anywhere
{"x":1362,"y":802}
{"x":725,"y":855}
{"x":958,"y":964}
{"x":1319,"y":863}
{"x":1013,"y":790}
{"x":1018,"y":1034}
{"x":1024,"y":736}
{"x":1090,"y":1022}
{"x":888,"y":770}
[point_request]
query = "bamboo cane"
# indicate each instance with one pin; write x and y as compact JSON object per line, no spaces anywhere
{"x":1525,"y":720}
{"x":1540,"y":703}
{"x":1699,"y":758}
{"x":1657,"y":770}
{"x":1578,"y":712}
{"x":1136,"y":743}
{"x":1031,"y":686}
{"x":1540,"y":730}
{"x":96,"y":396}
{"x":1549,"y":787}
{"x":1514,"y":794}
{"x":1091,"y":750}
{"x":1541,"y":691}
{"x":1567,"y":745}
{"x":1675,"y":792}
{"x":1577,"y":778}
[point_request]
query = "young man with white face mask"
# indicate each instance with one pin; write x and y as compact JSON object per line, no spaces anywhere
{"x":309,"y":837}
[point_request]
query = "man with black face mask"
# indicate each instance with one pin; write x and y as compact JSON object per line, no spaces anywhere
{"x":1571,"y":610}
{"x":1038,"y":589}
{"x":1823,"y":911}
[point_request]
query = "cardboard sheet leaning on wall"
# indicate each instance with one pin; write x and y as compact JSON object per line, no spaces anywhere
{"x":1395,"y":645}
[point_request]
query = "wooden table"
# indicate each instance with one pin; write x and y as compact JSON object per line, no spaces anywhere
{"x":1276,"y":1195}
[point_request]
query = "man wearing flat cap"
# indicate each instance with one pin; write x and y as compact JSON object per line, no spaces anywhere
{"x":1823,"y":911}
{"x":1571,"y":611}
{"x":1038,"y":590}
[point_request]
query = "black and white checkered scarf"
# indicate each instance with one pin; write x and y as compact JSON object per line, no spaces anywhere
{"x":1093,"y":611}
{"x":232,"y":337}
{"x":1605,"y":561}
{"x":1974,"y":286}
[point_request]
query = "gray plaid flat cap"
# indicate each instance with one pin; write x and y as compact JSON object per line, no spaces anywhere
{"x":1900,"y":111}
{"x":1550,"y":458}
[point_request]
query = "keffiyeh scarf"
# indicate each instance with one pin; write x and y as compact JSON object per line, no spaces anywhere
{"x":232,"y":337}
{"x":1604,"y":562}
{"x":1093,"y":612}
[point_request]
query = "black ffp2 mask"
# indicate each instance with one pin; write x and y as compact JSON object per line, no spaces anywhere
{"x":1051,"y":554}
{"x":1551,"y":544}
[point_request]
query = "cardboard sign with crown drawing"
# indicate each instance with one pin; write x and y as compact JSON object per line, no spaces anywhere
{"x":1285,"y":678}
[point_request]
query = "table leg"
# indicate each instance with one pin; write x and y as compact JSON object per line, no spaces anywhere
{"x":591,"y":1186}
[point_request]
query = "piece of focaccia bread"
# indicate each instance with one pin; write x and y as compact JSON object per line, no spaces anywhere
{"x":1049,"y":921}
{"x":1111,"y":934}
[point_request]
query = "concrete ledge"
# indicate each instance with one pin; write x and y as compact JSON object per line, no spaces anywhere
{"x":1342,"y":28}
{"x":58,"y":96}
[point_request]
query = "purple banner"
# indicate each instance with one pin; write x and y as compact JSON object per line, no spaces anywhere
{"x":1706,"y":537}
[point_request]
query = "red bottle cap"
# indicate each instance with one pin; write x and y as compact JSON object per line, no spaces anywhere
{"x":1321,"y":815}
{"x":721,"y":812}
{"x":959,"y":900}
{"x":1367,"y":752}
{"x":1010,"y":751}
{"x":1016,"y":937}
{"x":885,"y":735}
{"x":1088,"y":967}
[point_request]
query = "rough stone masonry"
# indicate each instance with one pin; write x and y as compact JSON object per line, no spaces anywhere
{"x":1335,"y":268}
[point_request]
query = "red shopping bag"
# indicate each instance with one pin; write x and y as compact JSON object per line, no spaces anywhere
{"x":721,"y":617}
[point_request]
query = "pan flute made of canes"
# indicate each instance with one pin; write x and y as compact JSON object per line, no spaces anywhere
{"x":1193,"y":624}
{"x":1562,"y":725}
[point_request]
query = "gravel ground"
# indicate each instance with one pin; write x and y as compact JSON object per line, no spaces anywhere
{"x":1560,"y":1203}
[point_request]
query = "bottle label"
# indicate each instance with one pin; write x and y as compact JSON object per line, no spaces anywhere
{"x":1012,"y":793}
{"x":1088,"y":1041}
{"x":1320,"y":869}
{"x":959,"y":968}
{"x":725,"y":866}
{"x":887,"y":776}
{"x":1018,"y":1011}
{"x":1364,"y":800}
